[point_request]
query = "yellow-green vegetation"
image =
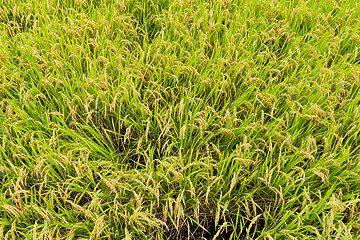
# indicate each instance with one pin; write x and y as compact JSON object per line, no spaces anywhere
{"x":184,"y":119}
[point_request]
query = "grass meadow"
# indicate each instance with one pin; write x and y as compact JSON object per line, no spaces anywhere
{"x":184,"y":119}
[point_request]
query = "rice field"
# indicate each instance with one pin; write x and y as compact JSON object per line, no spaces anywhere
{"x":184,"y":119}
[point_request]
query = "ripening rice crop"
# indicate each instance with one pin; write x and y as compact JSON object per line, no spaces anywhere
{"x":184,"y":119}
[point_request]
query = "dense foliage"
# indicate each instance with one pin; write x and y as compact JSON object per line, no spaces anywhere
{"x":179,"y":119}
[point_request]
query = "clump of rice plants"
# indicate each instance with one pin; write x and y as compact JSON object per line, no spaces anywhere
{"x":179,"y":119}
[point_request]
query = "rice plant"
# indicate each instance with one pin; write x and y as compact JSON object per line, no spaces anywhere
{"x":158,"y":119}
